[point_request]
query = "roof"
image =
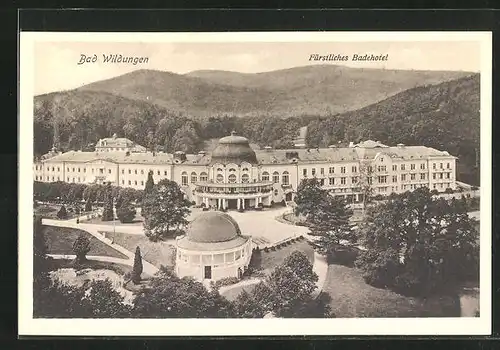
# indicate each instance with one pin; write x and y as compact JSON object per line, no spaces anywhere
{"x":370,"y":144}
{"x":213,"y":227}
{"x":236,"y":152}
{"x":233,"y":149}
{"x":185,"y":243}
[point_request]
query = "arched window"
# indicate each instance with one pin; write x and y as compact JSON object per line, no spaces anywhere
{"x":219,"y":169}
{"x":265,"y":176}
{"x":203,"y":177}
{"x":245,"y":178}
{"x":244,"y":169}
{"x":184,"y":178}
{"x":220,"y":178}
{"x":232,"y":178}
{"x":285,"y":178}
{"x":194,"y":177}
{"x":276,"y":177}
{"x":232,"y":170}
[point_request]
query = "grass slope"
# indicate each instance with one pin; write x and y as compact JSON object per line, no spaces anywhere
{"x":60,"y":241}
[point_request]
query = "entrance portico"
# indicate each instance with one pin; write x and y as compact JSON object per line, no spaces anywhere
{"x":233,"y":196}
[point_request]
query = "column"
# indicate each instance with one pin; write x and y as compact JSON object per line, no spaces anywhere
{"x":257,"y":202}
{"x":238,"y":203}
{"x":224,"y":203}
{"x":243,"y":203}
{"x":218,"y":203}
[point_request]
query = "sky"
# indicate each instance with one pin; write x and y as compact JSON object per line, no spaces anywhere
{"x":57,"y":68}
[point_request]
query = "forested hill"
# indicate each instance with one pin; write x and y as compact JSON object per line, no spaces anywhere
{"x":445,"y":116}
{"x":317,"y":90}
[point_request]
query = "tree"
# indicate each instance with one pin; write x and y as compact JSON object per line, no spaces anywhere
{"x":365,"y":183}
{"x":418,"y":244}
{"x":254,"y":304}
{"x":101,"y":300}
{"x":126,"y":213}
{"x":81,"y":247}
{"x":148,"y":187}
{"x":330,"y":223}
{"x":169,"y":296}
{"x":165,"y":210}
{"x":62,"y":213}
{"x":309,"y":194}
{"x":137,"y":269}
{"x":88,"y":205}
{"x":107,"y":212}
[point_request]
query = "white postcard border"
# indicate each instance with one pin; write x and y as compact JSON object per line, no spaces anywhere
{"x":233,"y":327}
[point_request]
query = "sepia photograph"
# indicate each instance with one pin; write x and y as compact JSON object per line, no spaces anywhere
{"x":255,"y":184}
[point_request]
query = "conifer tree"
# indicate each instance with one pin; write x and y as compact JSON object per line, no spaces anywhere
{"x":137,"y":269}
{"x":107,"y":213}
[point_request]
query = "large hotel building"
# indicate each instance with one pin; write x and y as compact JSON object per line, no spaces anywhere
{"x":233,"y":175}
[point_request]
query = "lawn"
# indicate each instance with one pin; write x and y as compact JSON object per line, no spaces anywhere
{"x":352,"y":297}
{"x":232,"y":293}
{"x":267,"y":261}
{"x":138,"y":221}
{"x":156,"y":253}
{"x":60,"y":241}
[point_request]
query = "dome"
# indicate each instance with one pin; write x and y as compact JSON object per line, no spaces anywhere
{"x":233,"y":149}
{"x":213,"y":227}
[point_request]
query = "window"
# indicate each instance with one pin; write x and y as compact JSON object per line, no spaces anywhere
{"x":275,"y":192}
{"x":203,"y":177}
{"x":342,"y":170}
{"x":382,"y":179}
{"x":370,"y":180}
{"x":232,"y":178}
{"x":422,"y":166}
{"x":101,"y":171}
{"x":382,"y":168}
{"x":304,"y":172}
{"x":123,"y":171}
{"x":412,"y":166}
{"x":434,"y":176}
{"x":447,"y":175}
{"x":72,"y":179}
{"x":78,"y":169}
{"x":422,"y":176}
{"x":354,"y":169}
{"x":232,"y":170}
{"x":129,"y":171}
{"x":244,"y":169}
{"x":403,"y":177}
{"x":123,"y":182}
{"x":135,"y":182}
{"x":194,"y":177}
{"x":265,"y":176}
{"x":381,"y":159}
{"x":165,"y":173}
{"x":285,"y":178}
{"x":142,"y":183}
{"x":394,"y":167}
{"x":184,"y":178}
{"x":142,"y":171}
{"x":73,"y":169}
{"x":58,"y":169}
{"x":92,"y":170}
{"x":136,"y":171}
{"x":245,"y":178}
{"x":220,"y":178}
{"x":313,"y":171}
{"x":322,"y":171}
{"x":434,"y":166}
{"x":403,"y":167}
{"x":447,"y":166}
{"x":276,"y":177}
{"x":67,"y":179}
{"x":331,"y":181}
{"x":219,"y":169}
{"x":158,"y":172}
{"x":129,"y":182}
{"x":342,"y":180}
{"x":440,"y":175}
{"x":412,"y":176}
{"x":52,"y":178}
{"x":440,"y":165}
{"x":322,"y":182}
{"x":394,"y":178}
{"x":331,"y":170}
{"x":354,"y":179}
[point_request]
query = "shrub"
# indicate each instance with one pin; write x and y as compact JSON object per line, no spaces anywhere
{"x":448,"y":190}
{"x":88,"y":205}
{"x":226,"y":281}
{"x":266,"y":249}
{"x":81,"y":247}
{"x":62,"y":213}
{"x":343,"y":255}
{"x":137,"y":269}
{"x":126,"y":213}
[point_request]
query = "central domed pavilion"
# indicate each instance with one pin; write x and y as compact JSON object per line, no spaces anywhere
{"x":233,"y":149}
{"x":213,"y":248}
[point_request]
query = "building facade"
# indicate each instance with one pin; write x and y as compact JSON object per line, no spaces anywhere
{"x":235,"y":176}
